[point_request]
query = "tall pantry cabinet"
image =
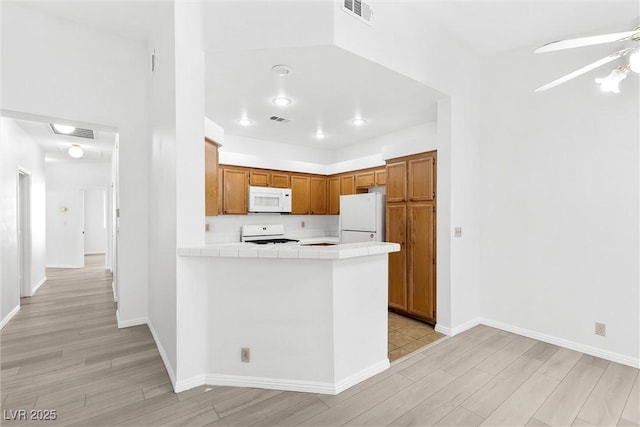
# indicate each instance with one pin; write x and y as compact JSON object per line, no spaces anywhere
{"x":411,"y":222}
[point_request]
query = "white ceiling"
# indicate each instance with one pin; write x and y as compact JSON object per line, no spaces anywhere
{"x":328,"y":86}
{"x":325,"y":85}
{"x":55,"y":146}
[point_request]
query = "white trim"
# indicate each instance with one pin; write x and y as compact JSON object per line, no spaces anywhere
{"x":572,"y":345}
{"x":63,"y":266}
{"x":37,"y":286}
{"x":113,"y":288}
{"x":450,"y":332}
{"x":163,"y":356}
{"x":131,"y":322}
{"x":9,"y":316}
{"x":282,"y":384}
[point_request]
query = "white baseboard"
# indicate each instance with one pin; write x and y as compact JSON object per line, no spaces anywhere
{"x":37,"y":286}
{"x":282,"y":384}
{"x":130,"y":322}
{"x":572,"y":345}
{"x":165,"y":359}
{"x":450,"y":332}
{"x":63,"y":266}
{"x":9,"y":316}
{"x":113,"y":288}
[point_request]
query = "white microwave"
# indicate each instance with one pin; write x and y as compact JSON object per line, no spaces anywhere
{"x":267,"y":199}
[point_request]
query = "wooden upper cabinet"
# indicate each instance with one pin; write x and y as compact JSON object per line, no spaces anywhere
{"x":421,"y":182}
{"x":334,"y":195}
{"x":381,"y":177}
{"x":211,"y":178}
{"x":396,"y":233}
{"x":235,"y":187}
{"x":397,"y":181}
{"x":259,"y":178}
{"x":365,"y":179}
{"x":280,"y":179}
{"x":300,"y":195}
{"x":421,"y":259}
{"x":317,"y":196}
{"x":347,"y":185}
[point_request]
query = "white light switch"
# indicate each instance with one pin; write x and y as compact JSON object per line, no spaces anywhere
{"x":458,"y":232}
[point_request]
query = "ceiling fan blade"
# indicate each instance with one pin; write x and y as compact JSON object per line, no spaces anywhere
{"x":586,"y":41}
{"x":585,"y":69}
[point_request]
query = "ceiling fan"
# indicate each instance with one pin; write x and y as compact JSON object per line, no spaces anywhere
{"x":612,"y":81}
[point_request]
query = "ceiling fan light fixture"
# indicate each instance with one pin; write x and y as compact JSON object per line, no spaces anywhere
{"x":76,"y":151}
{"x":611,"y":83}
{"x":634,"y":61}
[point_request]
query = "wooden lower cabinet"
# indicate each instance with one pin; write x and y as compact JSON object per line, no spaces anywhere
{"x":396,"y":232}
{"x":421,"y":260}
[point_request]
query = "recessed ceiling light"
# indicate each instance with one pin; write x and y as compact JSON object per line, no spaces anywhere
{"x":64,"y":128}
{"x":282,"y":70}
{"x":358,"y":121}
{"x":281,"y":101}
{"x":76,"y":151}
{"x":320,"y":135}
{"x":245,"y":121}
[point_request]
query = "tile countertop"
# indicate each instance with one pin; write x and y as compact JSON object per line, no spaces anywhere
{"x":298,"y":250}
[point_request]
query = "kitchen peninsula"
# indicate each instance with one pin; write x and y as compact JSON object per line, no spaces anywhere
{"x":309,"y":318}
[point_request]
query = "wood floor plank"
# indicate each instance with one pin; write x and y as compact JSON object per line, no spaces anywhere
{"x":460,"y":417}
{"x":443,"y":402}
{"x":518,"y":408}
{"x":565,"y":402}
{"x":245,"y":400}
{"x":606,"y":402}
{"x":295,"y":414}
{"x":631,"y":412}
{"x":506,"y":355}
{"x":491,"y":395}
{"x":262,"y":410}
{"x":560,"y":363}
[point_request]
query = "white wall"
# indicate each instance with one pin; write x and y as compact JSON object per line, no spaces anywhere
{"x":66,"y":185}
{"x":97,"y":78}
{"x":95,"y":221}
{"x":559,"y":203}
{"x":19,"y":150}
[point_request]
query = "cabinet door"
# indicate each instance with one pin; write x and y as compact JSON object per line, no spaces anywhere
{"x":280,"y":180}
{"x":334,"y":195}
{"x":421,"y":179}
{"x":421,"y":260}
{"x":381,"y":177}
{"x":347,"y":185}
{"x":300,"y":195}
{"x":259,"y":178}
{"x":396,"y":233}
{"x":210,"y":178}
{"x":397,"y":182}
{"x":220,"y":190}
{"x":318,"y":195}
{"x":365,"y":179}
{"x":235,"y":191}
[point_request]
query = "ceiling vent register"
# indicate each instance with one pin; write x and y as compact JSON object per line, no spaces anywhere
{"x":279,"y":119}
{"x":359,"y":9}
{"x":78,"y":132}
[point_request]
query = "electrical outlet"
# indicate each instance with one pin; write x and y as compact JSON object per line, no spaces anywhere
{"x":206,"y":228}
{"x":245,"y":355}
{"x":601,"y":329}
{"x":302,"y":224}
{"x":457,"y":232}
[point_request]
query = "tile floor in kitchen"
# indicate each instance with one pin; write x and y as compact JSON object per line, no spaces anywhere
{"x":407,"y":335}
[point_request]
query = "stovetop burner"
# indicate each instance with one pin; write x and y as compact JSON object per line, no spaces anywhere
{"x":267,"y":241}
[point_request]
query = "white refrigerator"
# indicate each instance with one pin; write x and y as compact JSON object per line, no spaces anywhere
{"x":362,"y":218}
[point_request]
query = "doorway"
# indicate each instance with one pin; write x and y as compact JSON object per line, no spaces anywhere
{"x":24,"y":233}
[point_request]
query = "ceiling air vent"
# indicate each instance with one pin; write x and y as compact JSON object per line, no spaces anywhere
{"x":279,"y":119}
{"x":358,"y":8}
{"x":78,"y":132}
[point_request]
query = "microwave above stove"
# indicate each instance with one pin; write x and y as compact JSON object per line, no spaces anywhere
{"x":268,"y":199}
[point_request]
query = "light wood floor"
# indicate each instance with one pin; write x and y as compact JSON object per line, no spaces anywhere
{"x":64,"y":352}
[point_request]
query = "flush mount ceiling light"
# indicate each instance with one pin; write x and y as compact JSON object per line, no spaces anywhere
{"x":611,"y":82}
{"x":244,"y":121}
{"x":281,"y":101}
{"x":76,"y":151}
{"x":282,"y":70}
{"x":65,"y":129}
{"x":358,"y":121}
